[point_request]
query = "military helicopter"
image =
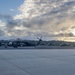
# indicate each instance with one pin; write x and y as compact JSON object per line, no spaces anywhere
{"x":34,"y":44}
{"x":20,"y":43}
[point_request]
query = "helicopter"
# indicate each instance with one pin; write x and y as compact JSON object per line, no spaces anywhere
{"x":34,"y":44}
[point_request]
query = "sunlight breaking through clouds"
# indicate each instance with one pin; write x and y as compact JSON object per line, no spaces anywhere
{"x":47,"y":18}
{"x":51,"y":16}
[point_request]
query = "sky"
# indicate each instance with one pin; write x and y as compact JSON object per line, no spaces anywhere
{"x":51,"y":19}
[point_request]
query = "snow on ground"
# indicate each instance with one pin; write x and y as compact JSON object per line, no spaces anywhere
{"x":37,"y":62}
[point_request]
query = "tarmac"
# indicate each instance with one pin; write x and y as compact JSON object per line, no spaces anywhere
{"x":37,"y":62}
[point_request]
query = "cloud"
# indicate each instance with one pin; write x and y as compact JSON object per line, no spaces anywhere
{"x":11,"y":9}
{"x":4,"y":16}
{"x":65,"y":35}
{"x":2,"y":33}
{"x":49,"y":18}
